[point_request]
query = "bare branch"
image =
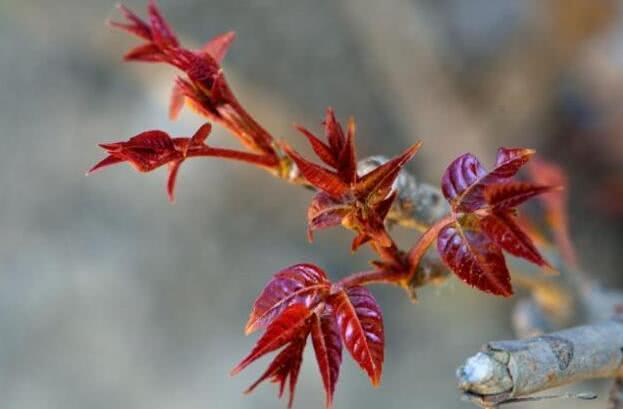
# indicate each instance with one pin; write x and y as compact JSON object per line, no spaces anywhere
{"x":507,"y":370}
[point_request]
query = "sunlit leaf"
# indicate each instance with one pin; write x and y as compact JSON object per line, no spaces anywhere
{"x":360,"y":322}
{"x":299,"y":284}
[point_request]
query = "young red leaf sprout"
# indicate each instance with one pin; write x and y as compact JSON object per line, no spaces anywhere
{"x":358,"y":202}
{"x":300,"y":301}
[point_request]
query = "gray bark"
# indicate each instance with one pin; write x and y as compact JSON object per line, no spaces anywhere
{"x":507,"y":370}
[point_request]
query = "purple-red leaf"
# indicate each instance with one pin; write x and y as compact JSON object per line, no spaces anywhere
{"x":464,"y":182}
{"x":323,"y":212}
{"x":474,"y":258}
{"x":360,"y":321}
{"x":323,"y":151}
{"x":286,"y":365}
{"x":378,"y":182}
{"x":347,"y":159}
{"x":328,"y":348}
{"x":318,"y":176}
{"x":299,"y":284}
{"x":507,"y":234}
{"x":333,"y":131}
{"x":502,"y":196}
{"x":291,"y":324}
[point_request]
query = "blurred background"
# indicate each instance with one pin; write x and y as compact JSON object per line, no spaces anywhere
{"x":110,"y":297}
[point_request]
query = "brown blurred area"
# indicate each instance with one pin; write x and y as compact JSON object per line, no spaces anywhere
{"x":110,"y":297}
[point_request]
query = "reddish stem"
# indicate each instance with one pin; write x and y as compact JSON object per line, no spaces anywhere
{"x":260,"y":160}
{"x":370,"y":277}
{"x":426,"y":239}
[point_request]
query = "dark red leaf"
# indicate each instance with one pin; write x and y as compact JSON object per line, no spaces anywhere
{"x":504,"y":196}
{"x":323,"y":151}
{"x":323,"y":212}
{"x":299,"y":284}
{"x":161,"y":32}
{"x":474,"y":258}
{"x":287,"y":364}
{"x":509,"y":160}
{"x":291,"y":324}
{"x":507,"y":234}
{"x":328,"y":348}
{"x":360,"y":321}
{"x":333,"y":131}
{"x":218,"y":46}
{"x":319,"y":177}
{"x":174,"y":167}
{"x":464,"y":182}
{"x":347,"y":160}
{"x":462,"y":173}
{"x":378,"y":182}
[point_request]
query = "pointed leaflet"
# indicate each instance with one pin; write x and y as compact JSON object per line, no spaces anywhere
{"x":360,"y":322}
{"x":347,"y":159}
{"x":292,"y":323}
{"x":134,"y":25}
{"x":378,"y":182}
{"x":464,"y":181}
{"x":333,"y":131}
{"x":323,"y":212}
{"x":507,"y":234}
{"x":502,"y":196}
{"x":318,"y":176}
{"x":555,"y":204}
{"x":472,"y":256}
{"x":161,"y":32}
{"x":323,"y":151}
{"x":287,"y":364}
{"x":174,"y":168}
{"x":299,"y":284}
{"x":218,"y":46}
{"x":328,"y":348}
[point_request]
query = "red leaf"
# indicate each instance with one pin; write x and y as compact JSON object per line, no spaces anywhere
{"x":475,"y":259}
{"x":292,"y":323}
{"x":134,"y":26}
{"x":463,"y":172}
{"x":218,"y":46}
{"x":299,"y":284}
{"x":323,"y":151}
{"x":161,"y":32}
{"x":319,"y":177}
{"x":378,"y":182}
{"x":510,"y":160}
{"x":174,"y":167}
{"x":323,"y":212}
{"x":287,"y":364}
{"x":333,"y":131}
{"x":507,"y":234}
{"x":502,"y":196}
{"x":328,"y":348}
{"x":347,"y":160}
{"x":360,"y":322}
{"x":107,"y":161}
{"x":147,"y":52}
{"x":464,"y":182}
